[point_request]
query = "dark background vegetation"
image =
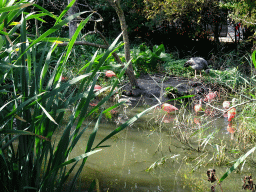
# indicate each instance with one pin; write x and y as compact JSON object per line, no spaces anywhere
{"x":184,"y":32}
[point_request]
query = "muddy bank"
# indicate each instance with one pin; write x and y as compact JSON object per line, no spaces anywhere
{"x":152,"y":86}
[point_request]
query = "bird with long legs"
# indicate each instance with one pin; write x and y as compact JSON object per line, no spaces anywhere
{"x":198,"y":64}
{"x":231,"y":115}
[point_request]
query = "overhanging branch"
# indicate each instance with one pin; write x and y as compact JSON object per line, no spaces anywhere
{"x":84,"y":43}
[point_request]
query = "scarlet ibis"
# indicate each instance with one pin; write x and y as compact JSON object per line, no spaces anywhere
{"x":198,"y":64}
{"x":198,"y":107}
{"x":168,"y":118}
{"x":231,"y":113}
{"x":230,"y":129}
{"x":97,"y":87}
{"x":226,"y":104}
{"x":168,"y":107}
{"x":64,"y":79}
{"x":93,"y":104}
{"x":110,"y":73}
{"x":210,"y":96}
{"x":197,"y":121}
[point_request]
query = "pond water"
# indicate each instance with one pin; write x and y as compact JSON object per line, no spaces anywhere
{"x":154,"y":156}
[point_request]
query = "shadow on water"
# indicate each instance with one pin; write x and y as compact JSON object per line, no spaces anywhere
{"x":148,"y":156}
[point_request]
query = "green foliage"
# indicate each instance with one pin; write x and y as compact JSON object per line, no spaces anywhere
{"x":186,"y":17}
{"x":176,"y":68}
{"x":36,"y":99}
{"x":133,"y":10}
{"x":143,"y":59}
{"x":253,"y":58}
{"x":169,"y":91}
{"x":230,"y":78}
{"x":146,"y":60}
{"x":237,"y":163}
{"x":241,"y":11}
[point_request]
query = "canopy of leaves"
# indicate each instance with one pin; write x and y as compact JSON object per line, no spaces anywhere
{"x":189,"y":17}
{"x":241,"y":10}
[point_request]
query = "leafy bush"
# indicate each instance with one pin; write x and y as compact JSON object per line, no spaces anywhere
{"x":146,"y":60}
{"x":176,"y":68}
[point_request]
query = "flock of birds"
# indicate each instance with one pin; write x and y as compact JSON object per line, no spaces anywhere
{"x":198,"y":64}
{"x":229,"y":111}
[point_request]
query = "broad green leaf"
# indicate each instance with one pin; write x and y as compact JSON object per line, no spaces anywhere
{"x":75,"y":159}
{"x":2,"y":3}
{"x":79,"y":157}
{"x":65,"y":11}
{"x":89,"y":65}
{"x":237,"y":163}
{"x":253,"y":58}
{"x":37,"y":16}
{"x":1,"y":42}
{"x":93,"y":135}
{"x":45,"y":11}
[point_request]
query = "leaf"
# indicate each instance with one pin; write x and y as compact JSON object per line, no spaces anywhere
{"x":77,"y":158}
{"x":47,"y":114}
{"x":1,"y":42}
{"x":75,"y":35}
{"x":93,"y":135}
{"x":15,"y":7}
{"x":51,"y":30}
{"x":253,"y":58}
{"x":237,"y":163}
{"x":19,"y":118}
{"x":45,"y":11}
{"x":17,"y":132}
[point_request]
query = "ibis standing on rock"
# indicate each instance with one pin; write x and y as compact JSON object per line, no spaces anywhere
{"x":198,"y":64}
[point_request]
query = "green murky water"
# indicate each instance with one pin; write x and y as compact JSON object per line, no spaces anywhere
{"x":148,"y":156}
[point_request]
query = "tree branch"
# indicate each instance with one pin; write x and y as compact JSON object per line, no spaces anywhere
{"x":84,"y":43}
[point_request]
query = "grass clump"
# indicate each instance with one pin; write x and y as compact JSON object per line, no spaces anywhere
{"x":176,"y":68}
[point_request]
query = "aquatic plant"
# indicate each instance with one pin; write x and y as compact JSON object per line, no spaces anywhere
{"x":36,"y":98}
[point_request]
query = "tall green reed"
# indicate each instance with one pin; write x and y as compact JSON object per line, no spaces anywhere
{"x":34,"y":101}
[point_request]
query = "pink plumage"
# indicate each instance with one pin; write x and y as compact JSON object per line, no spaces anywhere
{"x":97,"y":87}
{"x":110,"y":73}
{"x":210,"y":96}
{"x":231,"y":113}
{"x":198,"y":107}
{"x":168,"y":107}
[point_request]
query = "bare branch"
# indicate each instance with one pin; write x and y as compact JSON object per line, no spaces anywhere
{"x":84,"y":43}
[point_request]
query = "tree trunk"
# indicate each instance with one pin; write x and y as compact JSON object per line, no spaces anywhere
{"x":73,"y":23}
{"x":116,"y":5}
